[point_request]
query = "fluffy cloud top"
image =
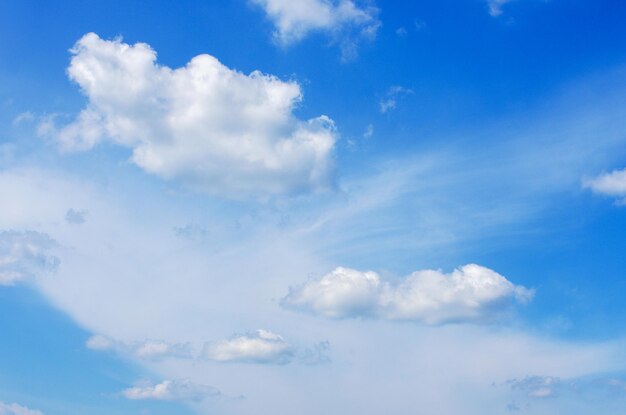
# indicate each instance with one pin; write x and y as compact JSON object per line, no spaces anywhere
{"x":470,"y":293}
{"x":171,"y":390}
{"x":215,"y":129}
{"x":23,"y":255}
{"x":15,"y":409}
{"x":148,"y":349}
{"x":261,"y":346}
{"x":610,"y":184}
{"x":295,"y":19}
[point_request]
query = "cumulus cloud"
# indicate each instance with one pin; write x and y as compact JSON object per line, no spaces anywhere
{"x":24,"y":254}
{"x":172,"y":390}
{"x":469,"y":294}
{"x":147,"y":349}
{"x":344,"y":20}
{"x":610,"y":184}
{"x":211,"y":127}
{"x":261,"y":346}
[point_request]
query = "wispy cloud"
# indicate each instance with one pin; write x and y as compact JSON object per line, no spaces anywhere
{"x":172,"y":390}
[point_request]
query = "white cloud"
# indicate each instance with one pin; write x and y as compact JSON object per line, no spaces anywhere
{"x":171,"y":390}
{"x":610,"y":184}
{"x":24,"y":117}
{"x":495,"y":7}
{"x":539,"y":387}
{"x":23,"y":255}
{"x":213,"y":128}
{"x":147,"y":349}
{"x":469,"y":294}
{"x":390,"y":101}
{"x":15,"y":409}
{"x":261,"y":346}
{"x":343,"y":19}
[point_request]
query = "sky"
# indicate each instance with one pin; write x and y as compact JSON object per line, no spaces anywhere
{"x":236,"y":207}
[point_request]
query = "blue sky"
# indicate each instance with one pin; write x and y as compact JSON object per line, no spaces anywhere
{"x":312,"y":206}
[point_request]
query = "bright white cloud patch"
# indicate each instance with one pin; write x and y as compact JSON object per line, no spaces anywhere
{"x":213,"y":128}
{"x":343,"y":19}
{"x":470,"y":293}
{"x":610,"y":184}
{"x":23,"y":255}
{"x":261,"y":346}
{"x":147,"y":349}
{"x":171,"y":390}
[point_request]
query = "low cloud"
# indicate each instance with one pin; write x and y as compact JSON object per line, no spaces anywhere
{"x":261,"y":346}
{"x":172,"y":390}
{"x":24,"y":255}
{"x":469,"y":294}
{"x":344,"y":20}
{"x":212,"y":128}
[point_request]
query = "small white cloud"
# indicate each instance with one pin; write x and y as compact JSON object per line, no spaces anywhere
{"x":261,"y":346}
{"x":469,"y":294}
{"x":15,"y":409}
{"x":401,"y":31}
{"x":206,"y":125}
{"x":344,"y":20}
{"x":171,"y":390}
{"x":393,"y":95}
{"x":147,"y":349}
{"x":610,"y":184}
{"x":24,"y":255}
{"x":495,"y":6}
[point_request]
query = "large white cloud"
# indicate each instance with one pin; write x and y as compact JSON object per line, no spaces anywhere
{"x":344,"y":19}
{"x":15,"y":409}
{"x":470,"y":293}
{"x":171,"y":390}
{"x":24,"y":254}
{"x":213,"y":128}
{"x":610,"y":184}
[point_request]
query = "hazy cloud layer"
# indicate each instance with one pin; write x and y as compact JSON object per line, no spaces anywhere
{"x":24,"y":254}
{"x":469,"y":294}
{"x":344,"y":20}
{"x":211,"y":127}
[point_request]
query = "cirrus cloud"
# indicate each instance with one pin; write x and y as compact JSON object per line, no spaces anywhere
{"x":15,"y":409}
{"x":471,"y":293}
{"x":211,"y":127}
